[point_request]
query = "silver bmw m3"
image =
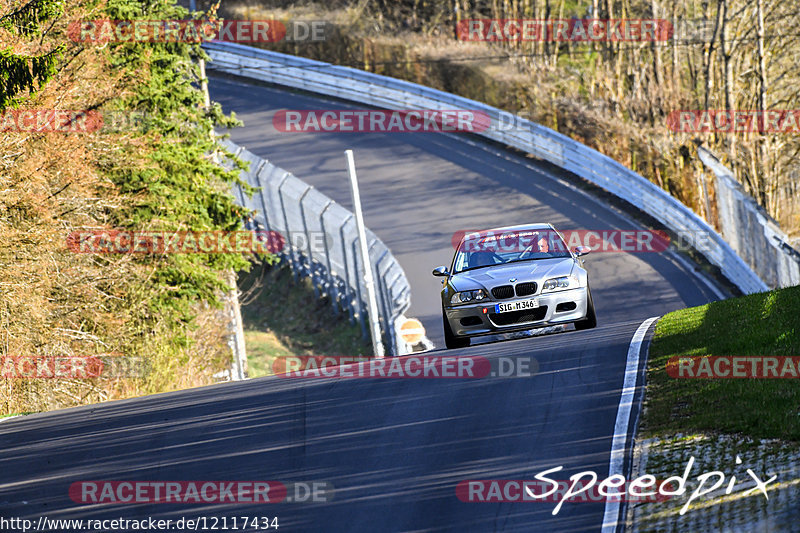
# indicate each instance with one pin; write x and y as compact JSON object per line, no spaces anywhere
{"x":511,"y":279}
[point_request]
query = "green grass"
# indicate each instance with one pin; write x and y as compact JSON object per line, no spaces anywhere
{"x":765,"y":324}
{"x":283,"y":318}
{"x":17,"y":414}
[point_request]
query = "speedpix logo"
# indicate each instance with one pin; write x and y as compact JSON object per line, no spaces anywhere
{"x":405,"y":367}
{"x":586,"y":486}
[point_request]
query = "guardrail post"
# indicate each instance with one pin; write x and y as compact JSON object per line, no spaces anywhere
{"x":395,"y":315}
{"x":290,"y":255}
{"x":384,"y":307}
{"x":359,"y":302}
{"x":348,"y":292}
{"x":264,"y":209}
{"x":308,"y":243}
{"x":331,"y":279}
{"x":390,"y":313}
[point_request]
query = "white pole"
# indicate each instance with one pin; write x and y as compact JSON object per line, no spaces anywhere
{"x":239,"y":370}
{"x":372,"y":301}
{"x":239,"y":350}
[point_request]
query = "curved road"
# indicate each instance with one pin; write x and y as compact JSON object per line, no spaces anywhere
{"x":394,"y":449}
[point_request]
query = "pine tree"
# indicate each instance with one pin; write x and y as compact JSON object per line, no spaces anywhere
{"x":181,"y":187}
{"x":20,"y":73}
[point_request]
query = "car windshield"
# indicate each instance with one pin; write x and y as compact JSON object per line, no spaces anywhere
{"x":485,"y":249}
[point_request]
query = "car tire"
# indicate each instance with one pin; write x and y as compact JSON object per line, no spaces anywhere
{"x":450,"y":340}
{"x":591,"y":319}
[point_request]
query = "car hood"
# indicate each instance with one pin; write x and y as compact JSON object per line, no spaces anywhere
{"x":537,"y":270}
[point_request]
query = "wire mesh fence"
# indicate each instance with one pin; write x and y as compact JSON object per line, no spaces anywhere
{"x":319,"y":240}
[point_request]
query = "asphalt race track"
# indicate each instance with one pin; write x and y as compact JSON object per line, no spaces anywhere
{"x":394,"y":449}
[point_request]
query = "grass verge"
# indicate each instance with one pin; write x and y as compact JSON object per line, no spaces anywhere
{"x":756,"y":325}
{"x":282,"y":317}
{"x":10,"y":415}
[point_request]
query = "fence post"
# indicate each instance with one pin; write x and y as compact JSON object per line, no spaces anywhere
{"x":359,"y":302}
{"x":331,"y":279}
{"x":384,"y":303}
{"x":348,"y":293}
{"x":308,"y":243}
{"x":397,"y":341}
{"x":264,"y":210}
{"x":290,"y":254}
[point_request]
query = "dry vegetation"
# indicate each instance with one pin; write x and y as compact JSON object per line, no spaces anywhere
{"x":54,"y":302}
{"x":613,"y":96}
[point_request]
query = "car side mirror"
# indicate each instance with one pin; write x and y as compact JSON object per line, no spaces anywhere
{"x":582,"y":250}
{"x":440,"y":271}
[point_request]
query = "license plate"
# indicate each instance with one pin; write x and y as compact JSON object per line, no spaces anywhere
{"x":533,"y":303}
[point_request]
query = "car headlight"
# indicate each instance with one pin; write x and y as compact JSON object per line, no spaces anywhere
{"x":468,"y":296}
{"x":560,"y":283}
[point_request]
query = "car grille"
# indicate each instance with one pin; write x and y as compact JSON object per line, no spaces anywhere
{"x":524,"y":289}
{"x":518,"y":317}
{"x":503,"y":291}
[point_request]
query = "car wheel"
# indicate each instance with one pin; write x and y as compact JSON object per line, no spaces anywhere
{"x":450,"y":340}
{"x":591,"y":319}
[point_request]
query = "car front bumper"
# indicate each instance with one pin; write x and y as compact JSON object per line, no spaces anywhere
{"x":471,"y":320}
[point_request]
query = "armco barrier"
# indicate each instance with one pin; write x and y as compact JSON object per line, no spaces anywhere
{"x":321,"y":243}
{"x":755,"y":236}
{"x":389,"y":93}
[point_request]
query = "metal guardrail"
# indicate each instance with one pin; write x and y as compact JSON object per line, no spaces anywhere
{"x":755,"y":236}
{"x":389,"y":93}
{"x":321,"y":242}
